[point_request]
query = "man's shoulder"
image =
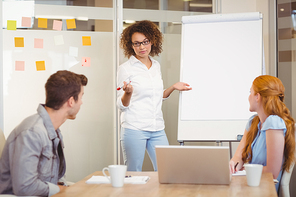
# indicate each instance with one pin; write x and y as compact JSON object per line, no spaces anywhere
{"x":33,"y":123}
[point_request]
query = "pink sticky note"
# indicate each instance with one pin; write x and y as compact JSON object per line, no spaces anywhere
{"x":86,"y":61}
{"x":38,"y":43}
{"x":57,"y":25}
{"x":19,"y":65}
{"x":26,"y":21}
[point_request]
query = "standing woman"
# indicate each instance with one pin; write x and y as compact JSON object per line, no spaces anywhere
{"x":140,"y":98}
{"x":269,"y":138}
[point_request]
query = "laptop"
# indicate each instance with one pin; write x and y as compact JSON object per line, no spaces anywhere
{"x":193,"y":164}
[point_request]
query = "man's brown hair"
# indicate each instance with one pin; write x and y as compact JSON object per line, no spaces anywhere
{"x":61,"y":86}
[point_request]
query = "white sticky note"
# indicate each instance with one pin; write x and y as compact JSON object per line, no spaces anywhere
{"x":73,"y":51}
{"x":59,"y":40}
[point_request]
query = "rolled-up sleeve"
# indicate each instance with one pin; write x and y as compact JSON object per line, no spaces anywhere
{"x":122,"y":76}
{"x":24,"y":165}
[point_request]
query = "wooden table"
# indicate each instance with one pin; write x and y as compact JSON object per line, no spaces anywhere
{"x":237,"y":187}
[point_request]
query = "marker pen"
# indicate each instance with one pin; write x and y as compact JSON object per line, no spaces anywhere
{"x":119,"y":88}
{"x":235,"y":165}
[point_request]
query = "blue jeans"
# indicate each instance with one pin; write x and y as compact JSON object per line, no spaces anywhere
{"x":134,"y":143}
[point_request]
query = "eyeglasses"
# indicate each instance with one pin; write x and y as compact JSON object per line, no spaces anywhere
{"x":137,"y":44}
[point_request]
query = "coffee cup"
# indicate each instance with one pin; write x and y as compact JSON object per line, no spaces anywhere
{"x":117,"y":174}
{"x":253,"y":172}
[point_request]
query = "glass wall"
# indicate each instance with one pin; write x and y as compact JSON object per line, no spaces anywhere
{"x":42,"y":37}
{"x":286,"y":26}
{"x":173,"y":5}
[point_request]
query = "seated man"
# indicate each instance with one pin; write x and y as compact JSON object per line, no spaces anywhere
{"x":32,"y":161}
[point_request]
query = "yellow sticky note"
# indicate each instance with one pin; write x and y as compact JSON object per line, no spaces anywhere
{"x":40,"y":65}
{"x":71,"y":24}
{"x":86,"y":41}
{"x":11,"y":25}
{"x":18,"y":41}
{"x":42,"y":22}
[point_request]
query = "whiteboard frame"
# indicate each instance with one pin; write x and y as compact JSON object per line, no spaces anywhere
{"x":199,"y":130}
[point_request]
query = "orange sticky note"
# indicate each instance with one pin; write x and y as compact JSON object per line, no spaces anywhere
{"x":42,"y":22}
{"x":19,"y":65}
{"x":86,"y":61}
{"x":71,"y":24}
{"x":11,"y":25}
{"x":57,"y":25}
{"x":38,"y":43}
{"x":86,"y":41}
{"x":18,"y":41}
{"x":40,"y":65}
{"x":26,"y":21}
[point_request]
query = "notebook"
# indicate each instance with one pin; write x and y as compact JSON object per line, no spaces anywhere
{"x":193,"y":164}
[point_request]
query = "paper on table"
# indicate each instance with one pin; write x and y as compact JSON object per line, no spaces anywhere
{"x":97,"y":180}
{"x":137,"y":179}
{"x":129,"y":180}
{"x":239,"y":173}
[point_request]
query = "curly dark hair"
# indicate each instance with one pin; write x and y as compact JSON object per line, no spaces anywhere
{"x":151,"y":32}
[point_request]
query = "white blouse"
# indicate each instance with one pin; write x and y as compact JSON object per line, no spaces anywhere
{"x":144,"y":111}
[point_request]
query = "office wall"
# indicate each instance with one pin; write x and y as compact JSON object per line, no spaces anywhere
{"x":90,"y":138}
{"x":1,"y":77}
{"x":286,"y":60}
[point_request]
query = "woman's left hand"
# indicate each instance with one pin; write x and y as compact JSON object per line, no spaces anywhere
{"x":181,"y":86}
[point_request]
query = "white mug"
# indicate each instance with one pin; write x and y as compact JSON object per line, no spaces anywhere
{"x":253,"y":172}
{"x":117,"y":174}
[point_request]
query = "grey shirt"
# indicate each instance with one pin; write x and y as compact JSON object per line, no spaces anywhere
{"x":33,"y":160}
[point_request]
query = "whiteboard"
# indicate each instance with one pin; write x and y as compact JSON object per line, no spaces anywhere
{"x":221,"y":55}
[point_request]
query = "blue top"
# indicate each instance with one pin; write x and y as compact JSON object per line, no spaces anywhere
{"x":259,"y":154}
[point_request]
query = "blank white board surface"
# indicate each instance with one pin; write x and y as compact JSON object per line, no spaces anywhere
{"x":220,"y":57}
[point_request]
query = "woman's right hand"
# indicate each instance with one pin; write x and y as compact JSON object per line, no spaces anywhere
{"x":235,"y":166}
{"x":231,"y":167}
{"x":127,"y":87}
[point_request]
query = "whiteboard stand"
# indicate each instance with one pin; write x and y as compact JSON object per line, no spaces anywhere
{"x":182,"y":143}
{"x":221,"y":55}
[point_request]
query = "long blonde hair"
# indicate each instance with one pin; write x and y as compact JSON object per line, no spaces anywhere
{"x":272,"y":91}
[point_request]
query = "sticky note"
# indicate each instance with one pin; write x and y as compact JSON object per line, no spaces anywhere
{"x":57,"y":25}
{"x":38,"y":43}
{"x":86,"y":41}
{"x":59,"y":40}
{"x":26,"y":21}
{"x":19,"y":41}
{"x":42,"y":22}
{"x":11,"y":25}
{"x":71,"y":24}
{"x":85,"y":61}
{"x":73,"y":51}
{"x":40,"y":65}
{"x":19,"y":65}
